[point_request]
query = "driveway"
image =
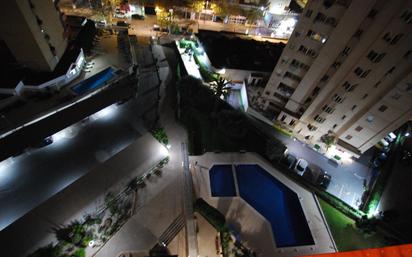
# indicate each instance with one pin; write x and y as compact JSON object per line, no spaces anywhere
{"x":347,"y":179}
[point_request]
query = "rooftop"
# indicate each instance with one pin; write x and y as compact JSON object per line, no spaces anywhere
{"x":231,"y":52}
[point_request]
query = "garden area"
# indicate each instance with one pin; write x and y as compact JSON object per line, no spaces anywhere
{"x":213,"y":125}
{"x":84,"y":237}
{"x":351,"y":235}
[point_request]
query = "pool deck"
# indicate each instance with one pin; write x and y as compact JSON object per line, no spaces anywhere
{"x":251,"y":225}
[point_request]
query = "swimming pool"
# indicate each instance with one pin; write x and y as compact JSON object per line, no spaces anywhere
{"x":94,"y":82}
{"x":278,"y":204}
{"x":223,"y":183}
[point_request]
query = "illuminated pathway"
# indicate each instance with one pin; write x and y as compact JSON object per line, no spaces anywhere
{"x":31,"y":178}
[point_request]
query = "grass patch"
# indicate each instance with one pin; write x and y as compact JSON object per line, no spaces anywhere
{"x":282,"y":130}
{"x":347,"y":237}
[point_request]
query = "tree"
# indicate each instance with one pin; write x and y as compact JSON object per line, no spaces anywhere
{"x":254,"y":15}
{"x":328,"y":140}
{"x":219,"y":86}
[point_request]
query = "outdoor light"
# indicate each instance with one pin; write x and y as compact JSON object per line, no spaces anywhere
{"x":222,"y":71}
{"x":168,"y":146}
{"x":91,"y":243}
{"x":407,"y":134}
{"x":105,"y":113}
{"x":262,"y":8}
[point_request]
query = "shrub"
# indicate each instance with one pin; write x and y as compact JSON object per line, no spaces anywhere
{"x":160,"y":135}
{"x":81,"y":252}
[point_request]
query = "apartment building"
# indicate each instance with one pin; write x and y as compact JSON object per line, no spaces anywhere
{"x":33,"y":31}
{"x":346,"y":71}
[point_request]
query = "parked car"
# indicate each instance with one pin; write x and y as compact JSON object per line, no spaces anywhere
{"x":301,"y":167}
{"x":44,"y":142}
{"x":122,"y":24}
{"x":288,"y":161}
{"x":137,"y":17}
{"x":317,"y":176}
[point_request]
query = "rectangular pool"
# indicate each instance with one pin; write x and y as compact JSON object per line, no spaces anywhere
{"x":94,"y":82}
{"x":223,"y":184}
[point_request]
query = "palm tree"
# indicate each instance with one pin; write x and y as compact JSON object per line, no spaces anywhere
{"x":220,"y":87}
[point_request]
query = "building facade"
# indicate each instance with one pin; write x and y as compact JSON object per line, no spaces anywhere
{"x":346,"y":71}
{"x":34,"y":33}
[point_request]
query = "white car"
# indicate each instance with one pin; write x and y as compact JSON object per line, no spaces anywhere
{"x":301,"y":166}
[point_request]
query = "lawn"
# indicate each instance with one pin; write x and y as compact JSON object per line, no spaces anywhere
{"x":347,"y":237}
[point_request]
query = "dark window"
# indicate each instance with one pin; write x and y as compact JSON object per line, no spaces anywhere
{"x":285,"y":89}
{"x":292,"y":76}
{"x":358,"y":128}
{"x":328,"y":109}
{"x":283,"y":117}
{"x":349,"y":87}
{"x":343,"y":117}
{"x":348,"y":137}
{"x":383,"y":108}
{"x":372,"y":13}
{"x":315,"y":91}
{"x":396,"y":38}
{"x":308,"y":13}
{"x":324,"y":78}
{"x":364,"y":96}
{"x":358,"y":71}
{"x":334,"y":126}
{"x":407,"y":16}
{"x":406,"y":55}
{"x":346,"y":50}
{"x":358,"y":33}
{"x":390,"y":71}
{"x":376,"y":84}
{"x":336,"y":65}
{"x":292,"y":122}
{"x":338,"y":99}
{"x":354,"y":107}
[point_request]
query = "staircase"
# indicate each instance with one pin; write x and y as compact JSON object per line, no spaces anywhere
{"x":172,"y":230}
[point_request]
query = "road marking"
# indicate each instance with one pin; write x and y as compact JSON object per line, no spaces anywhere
{"x":357,"y":176}
{"x":341,"y":191}
{"x":355,"y":200}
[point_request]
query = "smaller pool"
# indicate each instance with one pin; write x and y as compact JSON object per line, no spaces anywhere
{"x":221,"y":181}
{"x":94,"y":82}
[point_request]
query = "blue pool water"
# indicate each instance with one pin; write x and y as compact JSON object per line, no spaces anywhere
{"x":273,"y":200}
{"x":223,"y":184}
{"x":94,"y":82}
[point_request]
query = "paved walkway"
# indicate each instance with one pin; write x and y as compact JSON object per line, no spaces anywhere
{"x":163,"y":202}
